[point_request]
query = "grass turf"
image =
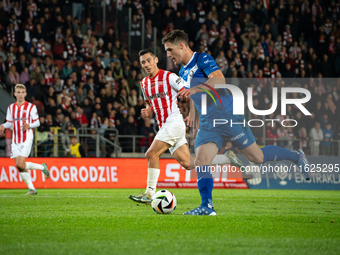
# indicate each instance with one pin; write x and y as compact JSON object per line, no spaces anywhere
{"x":102,"y":221}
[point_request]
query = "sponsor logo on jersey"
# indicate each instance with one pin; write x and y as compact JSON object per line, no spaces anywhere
{"x":19,"y":119}
{"x":191,"y":74}
{"x":237,"y":137}
{"x":159,"y":95}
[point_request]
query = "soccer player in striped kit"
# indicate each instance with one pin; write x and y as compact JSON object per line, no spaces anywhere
{"x":159,"y":89}
{"x":23,"y":117}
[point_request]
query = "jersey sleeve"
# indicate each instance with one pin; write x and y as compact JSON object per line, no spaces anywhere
{"x":34,"y":113}
{"x":9,"y":117}
{"x":207,"y":64}
{"x":176,"y":82}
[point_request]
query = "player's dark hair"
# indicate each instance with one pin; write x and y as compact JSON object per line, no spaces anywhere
{"x":176,"y":36}
{"x":146,"y":51}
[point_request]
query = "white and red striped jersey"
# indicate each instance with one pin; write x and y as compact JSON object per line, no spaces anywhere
{"x":160,"y":92}
{"x":18,"y":115}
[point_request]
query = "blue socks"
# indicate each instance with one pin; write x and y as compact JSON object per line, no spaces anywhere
{"x":276,"y":153}
{"x":205,"y":185}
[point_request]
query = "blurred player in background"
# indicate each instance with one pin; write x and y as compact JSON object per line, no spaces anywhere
{"x":198,"y":66}
{"x":23,"y":117}
{"x":159,"y":89}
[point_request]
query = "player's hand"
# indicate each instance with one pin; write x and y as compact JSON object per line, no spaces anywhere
{"x":2,"y":129}
{"x":145,"y":112}
{"x":25,"y":127}
{"x":189,"y":121}
{"x":184,"y":94}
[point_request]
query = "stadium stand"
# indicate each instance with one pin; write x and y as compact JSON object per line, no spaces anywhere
{"x":73,"y":68}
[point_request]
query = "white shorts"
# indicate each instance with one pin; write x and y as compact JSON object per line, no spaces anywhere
{"x":21,"y":149}
{"x":173,"y":133}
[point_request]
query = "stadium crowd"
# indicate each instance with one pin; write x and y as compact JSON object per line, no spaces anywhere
{"x":78,"y":77}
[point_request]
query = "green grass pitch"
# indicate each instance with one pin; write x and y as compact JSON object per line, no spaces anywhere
{"x":105,"y":221}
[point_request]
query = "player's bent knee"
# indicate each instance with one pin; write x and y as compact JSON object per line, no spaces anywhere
{"x":185,"y":165}
{"x":257,"y":159}
{"x":150,"y":154}
{"x":201,"y":162}
{"x":21,"y":167}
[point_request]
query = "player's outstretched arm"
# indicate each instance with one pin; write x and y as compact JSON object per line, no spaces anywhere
{"x":191,"y":117}
{"x":215,"y":77}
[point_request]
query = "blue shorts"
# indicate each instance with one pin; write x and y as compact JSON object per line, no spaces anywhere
{"x":240,"y":135}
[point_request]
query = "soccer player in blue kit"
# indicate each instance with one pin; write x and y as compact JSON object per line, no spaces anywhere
{"x":209,"y":139}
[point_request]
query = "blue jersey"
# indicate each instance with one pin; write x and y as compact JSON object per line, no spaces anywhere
{"x":195,"y":73}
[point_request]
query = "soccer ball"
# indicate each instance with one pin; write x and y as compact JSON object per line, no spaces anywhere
{"x":164,"y":202}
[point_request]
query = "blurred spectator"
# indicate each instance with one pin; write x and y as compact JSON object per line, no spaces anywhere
{"x":110,"y":135}
{"x":247,"y":40}
{"x":86,"y":25}
{"x":59,"y":49}
{"x":76,"y":149}
{"x":77,"y":8}
{"x":74,"y":121}
{"x":24,"y":76}
{"x":36,"y":73}
{"x":81,"y":117}
{"x":316,"y":136}
{"x":129,"y":128}
{"x":147,"y":131}
{"x":43,"y":131}
{"x":271,"y":133}
{"x":87,"y":108}
{"x":67,"y":70}
{"x":125,"y":58}
{"x":110,"y":36}
{"x":325,"y":145}
{"x":106,"y":59}
{"x":21,"y":63}
{"x":31,"y":89}
{"x":92,"y":145}
{"x":12,"y":77}
{"x":118,"y":71}
{"x":66,"y":131}
{"x":3,"y":69}
{"x":51,"y":106}
{"x":303,"y":143}
{"x":135,"y":32}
